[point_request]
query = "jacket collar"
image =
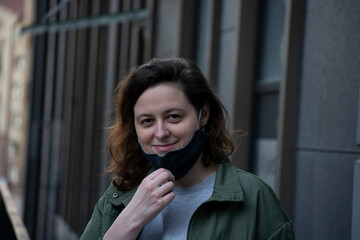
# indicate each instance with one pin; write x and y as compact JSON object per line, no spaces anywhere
{"x":227,"y":187}
{"x":117,"y":197}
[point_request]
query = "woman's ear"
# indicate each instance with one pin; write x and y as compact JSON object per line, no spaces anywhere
{"x":205,"y":115}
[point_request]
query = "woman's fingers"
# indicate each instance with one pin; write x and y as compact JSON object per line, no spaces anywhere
{"x":159,"y":186}
{"x":161,"y":172}
{"x":168,"y":198}
{"x":166,"y":188}
{"x":164,"y":177}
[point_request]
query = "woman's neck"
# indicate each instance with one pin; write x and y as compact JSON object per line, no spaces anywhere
{"x":197,"y":174}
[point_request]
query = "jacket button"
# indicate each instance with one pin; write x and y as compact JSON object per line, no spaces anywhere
{"x":115,"y":195}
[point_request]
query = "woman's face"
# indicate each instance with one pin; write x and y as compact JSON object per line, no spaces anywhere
{"x":164,"y":119}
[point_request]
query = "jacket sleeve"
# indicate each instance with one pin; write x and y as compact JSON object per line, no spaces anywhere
{"x":273,"y":220}
{"x":285,"y":232}
{"x":93,"y":229}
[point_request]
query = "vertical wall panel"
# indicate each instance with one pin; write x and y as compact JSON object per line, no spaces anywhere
{"x":227,"y":57}
{"x":90,"y":113}
{"x":167,"y":25}
{"x":289,"y":94}
{"x":124,"y":42}
{"x":355,"y":220}
{"x":45,"y":188}
{"x":330,"y":70}
{"x":208,"y":37}
{"x":70,"y":62}
{"x":150,"y":30}
{"x":58,"y":146}
{"x":35,"y":128}
{"x":134,"y":38}
{"x":323,"y":209}
{"x":327,"y":119}
{"x":244,"y":75}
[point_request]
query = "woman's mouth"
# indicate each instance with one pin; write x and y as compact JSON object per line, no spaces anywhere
{"x":164,"y":148}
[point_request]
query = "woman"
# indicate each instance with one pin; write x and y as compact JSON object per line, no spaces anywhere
{"x":169,"y":151}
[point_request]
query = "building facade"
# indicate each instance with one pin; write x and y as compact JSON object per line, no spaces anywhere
{"x":287,"y":71}
{"x":14,"y":78}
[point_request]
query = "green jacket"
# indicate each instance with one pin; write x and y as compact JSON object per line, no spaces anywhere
{"x":241,"y":207}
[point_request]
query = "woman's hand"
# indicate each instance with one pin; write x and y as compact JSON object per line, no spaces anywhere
{"x":154,"y":193}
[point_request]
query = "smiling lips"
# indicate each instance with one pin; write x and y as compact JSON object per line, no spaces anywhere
{"x":165,"y":147}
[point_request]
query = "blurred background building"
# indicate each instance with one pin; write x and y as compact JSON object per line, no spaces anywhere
{"x":14,"y":104}
{"x":287,"y":71}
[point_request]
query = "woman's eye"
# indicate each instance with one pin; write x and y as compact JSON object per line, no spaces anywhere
{"x":146,"y":122}
{"x":175,"y":117}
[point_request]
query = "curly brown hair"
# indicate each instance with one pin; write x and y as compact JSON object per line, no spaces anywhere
{"x":128,"y":165}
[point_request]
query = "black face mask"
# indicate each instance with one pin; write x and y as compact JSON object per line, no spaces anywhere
{"x":180,"y":161}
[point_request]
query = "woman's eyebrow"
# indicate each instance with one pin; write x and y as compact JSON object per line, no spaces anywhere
{"x":174,"y":109}
{"x":167,"y":111}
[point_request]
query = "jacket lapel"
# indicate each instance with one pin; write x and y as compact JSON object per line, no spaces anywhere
{"x":227,"y":185}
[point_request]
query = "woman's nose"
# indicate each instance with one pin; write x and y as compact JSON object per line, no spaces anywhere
{"x":161,"y":131}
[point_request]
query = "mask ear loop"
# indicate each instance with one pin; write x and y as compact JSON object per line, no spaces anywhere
{"x":197,"y":126}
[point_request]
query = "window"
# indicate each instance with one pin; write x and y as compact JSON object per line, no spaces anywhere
{"x":267,"y":86}
{"x":13,"y":149}
{"x":16,"y":121}
{"x":19,"y":62}
{"x":17,"y":91}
